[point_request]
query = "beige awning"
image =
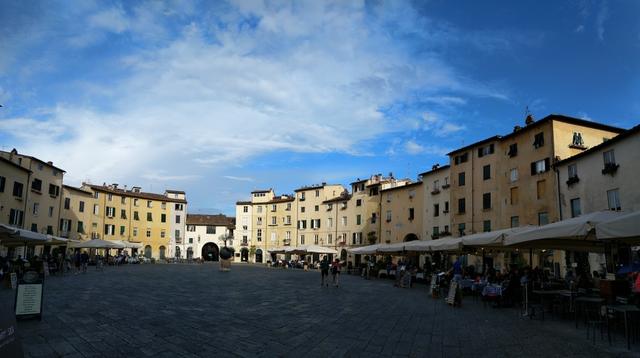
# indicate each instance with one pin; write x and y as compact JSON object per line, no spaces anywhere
{"x":624,"y":228}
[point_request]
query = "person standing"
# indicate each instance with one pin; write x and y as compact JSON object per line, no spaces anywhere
{"x":335,"y":271}
{"x":76,"y":261}
{"x":324,"y":271}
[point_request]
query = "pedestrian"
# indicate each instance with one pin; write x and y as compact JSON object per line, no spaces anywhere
{"x":76,"y":261}
{"x":335,"y":271}
{"x":84,"y":260}
{"x":324,"y":271}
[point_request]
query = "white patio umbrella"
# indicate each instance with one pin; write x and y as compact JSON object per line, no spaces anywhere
{"x":391,"y":248}
{"x":276,"y":250}
{"x":443,"y":244}
{"x":128,"y":244}
{"x":571,"y":234}
{"x":97,"y":244}
{"x":364,"y":250}
{"x":12,"y":236}
{"x":624,"y":228}
{"x":492,"y":238}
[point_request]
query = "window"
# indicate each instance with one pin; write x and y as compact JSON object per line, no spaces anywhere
{"x":51,"y":208}
{"x":486,"y":201}
{"x":461,"y":206}
{"x":316,"y":238}
{"x":330,"y":222}
{"x":109,"y":229}
{"x":111,"y":211}
{"x":329,"y":238}
{"x":486,"y":172}
{"x":541,"y":188}
{"x":135,"y":216}
{"x":135,"y":231}
{"x":514,"y":195}
{"x":49,"y":230}
{"x":2,"y":182}
{"x":359,"y":219}
{"x":486,"y":225}
{"x":446,"y":207}
{"x":540,"y":166}
{"x":149,"y":217}
{"x":81,"y":206}
{"x":190,"y":241}
{"x":122,"y":230}
{"x":388,"y":216}
{"x":459,"y":159}
{"x":179,"y":207}
{"x":343,"y":205}
{"x":162,"y":234}
{"x":259,"y":209}
{"x":54,"y":190}
{"x":572,"y":171}
{"x":274,"y":220}
{"x":613,"y":198}
{"x":461,"y":179}
{"x":575,"y":207}
{"x":149,"y":204}
{"x":17,"y":189}
{"x":436,"y":185}
{"x":96,"y":209}
{"x":148,"y":232}
{"x":81,"y":227}
{"x":302,"y":224}
{"x":178,"y":219}
{"x":344,"y":221}
{"x":513,"y":150}
{"x":436,"y":231}
{"x":96,"y":195}
{"x":287,"y":221}
{"x":191,"y":228}
{"x":16,"y":217}
{"x":486,"y":150}
{"x":515,"y":221}
{"x":513,"y":175}
{"x":461,"y":229}
{"x":359,"y":202}
{"x":411,"y":214}
{"x":302,"y":209}
{"x":274,"y":207}
{"x":245,"y":209}
{"x":538,"y":140}
{"x":135,"y":202}
{"x":317,"y":208}
{"x":302,"y":196}
{"x":288,"y":207}
{"x":36,"y":207}
{"x":259,"y":222}
{"x":301,"y":239}
{"x":374,"y":218}
{"x":543,"y":218}
{"x":317,"y":193}
{"x":436,"y":209}
{"x":609,"y":157}
{"x":123,"y":200}
{"x":373,"y":191}
{"x":36,"y":185}
{"x":259,"y":235}
{"x":123,"y":213}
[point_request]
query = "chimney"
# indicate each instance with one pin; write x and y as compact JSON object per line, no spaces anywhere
{"x":115,"y":185}
{"x":435,"y":166}
{"x":50,"y":163}
{"x":529,"y":120}
{"x":516,"y":128}
{"x":135,"y":189}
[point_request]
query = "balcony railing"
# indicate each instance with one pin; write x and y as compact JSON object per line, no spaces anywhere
{"x":610,"y":168}
{"x":574,"y":179}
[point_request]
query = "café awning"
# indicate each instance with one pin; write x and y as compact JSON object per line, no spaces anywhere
{"x":97,"y":244}
{"x":625,"y":228}
{"x":365,"y":250}
{"x":442,"y":244}
{"x":492,"y":238}
{"x":13,"y":236}
{"x":310,"y":249}
{"x":391,"y":248}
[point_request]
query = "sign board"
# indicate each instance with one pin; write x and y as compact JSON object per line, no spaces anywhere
{"x":453,"y":290}
{"x":10,"y":345}
{"x":28,"y":303}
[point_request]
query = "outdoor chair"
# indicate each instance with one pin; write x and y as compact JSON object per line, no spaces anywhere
{"x":597,"y":318}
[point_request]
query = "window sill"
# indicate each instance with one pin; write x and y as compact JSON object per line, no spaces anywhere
{"x":36,"y":191}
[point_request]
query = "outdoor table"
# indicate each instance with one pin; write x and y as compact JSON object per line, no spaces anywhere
{"x":570,"y":295}
{"x":584,"y":302}
{"x":625,"y":309}
{"x":542,"y":294}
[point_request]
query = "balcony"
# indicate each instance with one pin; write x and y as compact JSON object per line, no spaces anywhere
{"x":574,"y":179}
{"x":446,"y":186}
{"x":435,"y":191}
{"x":286,"y":242}
{"x":610,"y":168}
{"x":244,"y":243}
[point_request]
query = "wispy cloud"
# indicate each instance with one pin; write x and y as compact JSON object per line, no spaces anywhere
{"x":231,"y":177}
{"x":438,"y":126}
{"x":601,"y":17}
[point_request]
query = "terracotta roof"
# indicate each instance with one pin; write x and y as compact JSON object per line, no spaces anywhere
{"x":15,"y":164}
{"x":359,"y":181}
{"x":312,"y":187}
{"x":83,"y":191}
{"x":403,"y":186}
{"x":141,"y":195}
{"x":175,"y":191}
{"x":243,"y":203}
{"x":281,"y":200}
{"x":338,"y":199}
{"x":38,"y":160}
{"x":261,"y":191}
{"x":487,"y":140}
{"x":435,"y":170}
{"x":213,"y":220}
{"x":602,"y":145}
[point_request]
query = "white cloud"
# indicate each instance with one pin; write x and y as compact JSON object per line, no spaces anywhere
{"x":231,"y":177}
{"x":413,"y":147}
{"x":579,"y":29}
{"x":439,"y":127}
{"x":446,"y":101}
{"x":601,"y":17}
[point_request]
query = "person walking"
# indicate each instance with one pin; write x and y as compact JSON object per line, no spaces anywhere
{"x":324,"y":271}
{"x":76,"y":261}
{"x":335,"y":271}
{"x":84,"y":261}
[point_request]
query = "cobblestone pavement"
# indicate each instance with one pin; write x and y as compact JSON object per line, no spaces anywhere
{"x":176,"y":310}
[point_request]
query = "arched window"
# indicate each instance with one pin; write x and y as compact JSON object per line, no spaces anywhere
{"x":147,"y":251}
{"x":178,"y":251}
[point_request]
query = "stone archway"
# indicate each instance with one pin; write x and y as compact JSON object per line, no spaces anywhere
{"x":410,"y":237}
{"x":189,"y":253}
{"x":259,"y":256}
{"x":162,"y":252}
{"x":244,"y":255}
{"x":210,"y":252}
{"x":343,"y":255}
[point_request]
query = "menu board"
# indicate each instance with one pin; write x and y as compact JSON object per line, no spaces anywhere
{"x":29,"y":299}
{"x":10,"y":345}
{"x":453,"y":289}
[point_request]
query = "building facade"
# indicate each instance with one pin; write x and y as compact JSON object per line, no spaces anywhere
{"x":77,"y":216}
{"x":206,"y":235}
{"x":402,"y":208}
{"x":436,"y":219}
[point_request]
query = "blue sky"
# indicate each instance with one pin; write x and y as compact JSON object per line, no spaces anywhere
{"x":220,"y":98}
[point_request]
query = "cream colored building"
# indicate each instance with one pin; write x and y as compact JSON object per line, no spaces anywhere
{"x":401,"y":209}
{"x":42,"y":194}
{"x":311,"y":213}
{"x":13,"y":186}
{"x":177,"y":218}
{"x":77,"y":214}
{"x":132,"y":215}
{"x":206,"y":235}
{"x":280,"y":228}
{"x":436,"y":219}
{"x":244,"y":220}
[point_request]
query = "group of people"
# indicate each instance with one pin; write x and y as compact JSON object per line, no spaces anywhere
{"x":335,"y":268}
